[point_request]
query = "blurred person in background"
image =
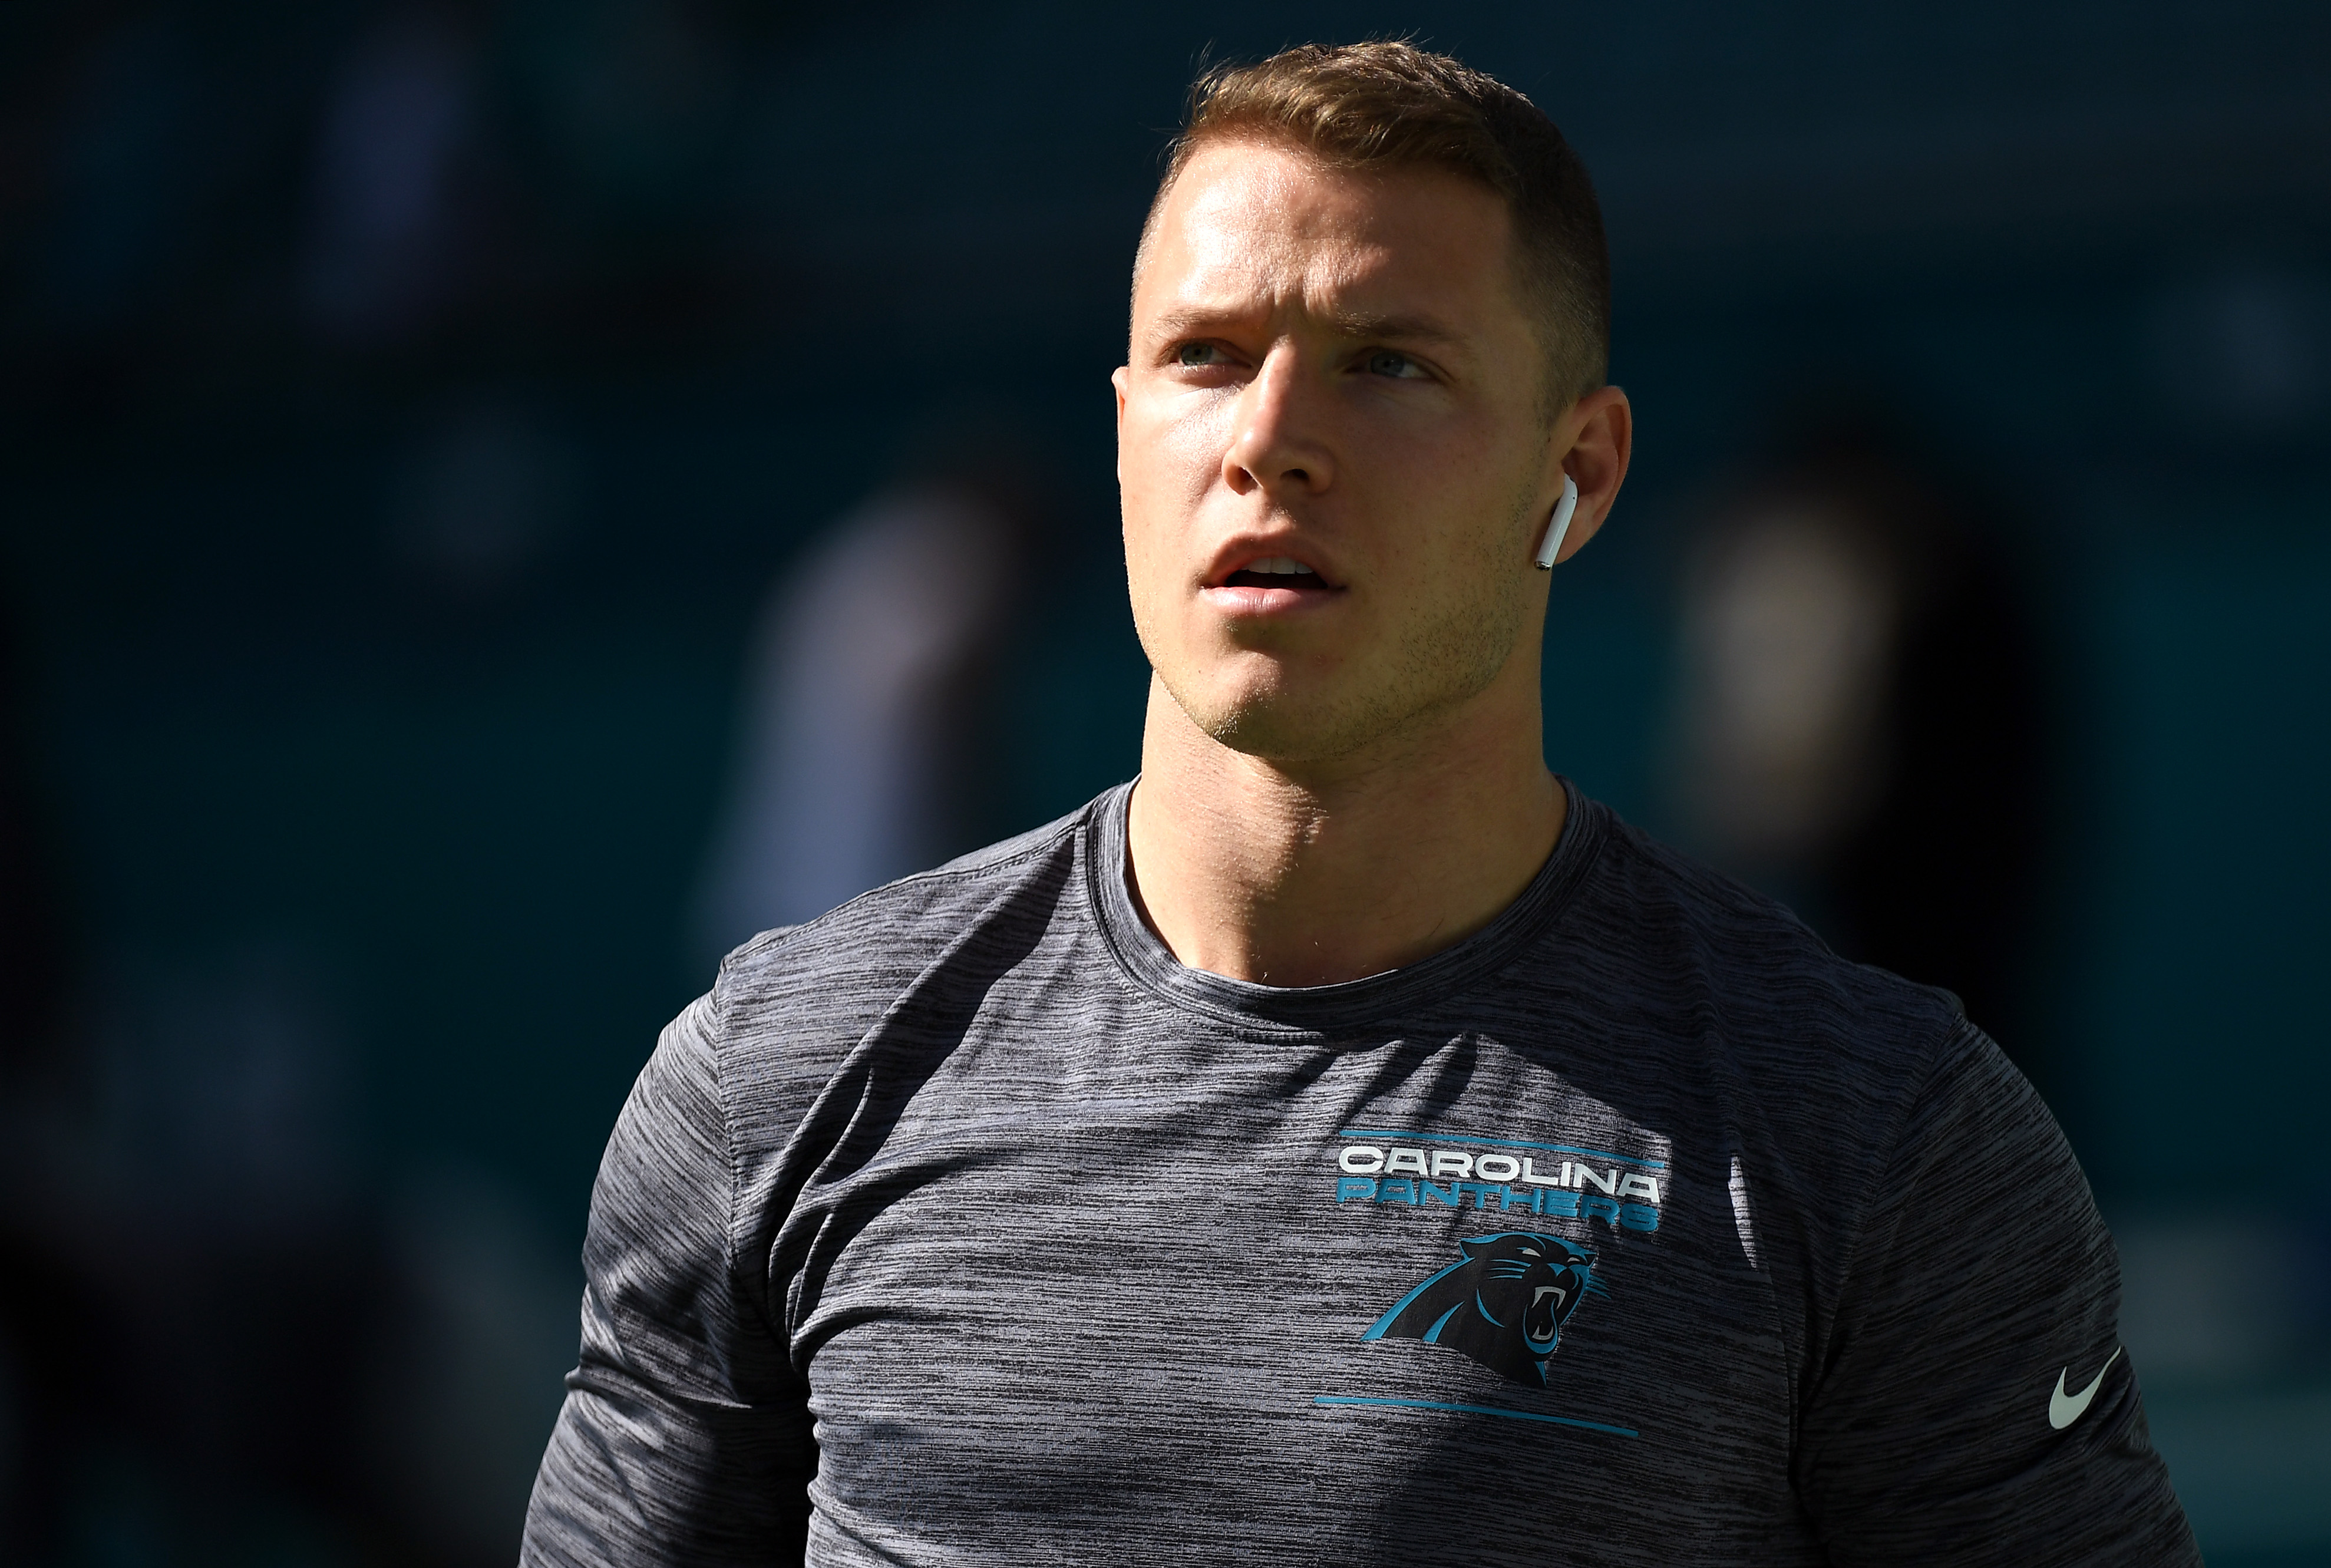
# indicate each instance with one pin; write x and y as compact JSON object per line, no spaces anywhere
{"x":1348,"y":1142}
{"x":868,"y":725}
{"x":1862,"y":716}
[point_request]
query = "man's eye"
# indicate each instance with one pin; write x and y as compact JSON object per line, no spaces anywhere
{"x":1385,"y":362}
{"x":1197,"y":355}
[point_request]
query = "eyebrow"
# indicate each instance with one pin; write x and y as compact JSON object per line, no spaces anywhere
{"x":1349,"y":324}
{"x":1411,"y":328}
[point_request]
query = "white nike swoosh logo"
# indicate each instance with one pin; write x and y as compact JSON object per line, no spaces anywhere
{"x":2064,"y":1408}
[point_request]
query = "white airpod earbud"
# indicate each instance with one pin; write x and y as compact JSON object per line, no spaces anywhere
{"x":1559,"y":525}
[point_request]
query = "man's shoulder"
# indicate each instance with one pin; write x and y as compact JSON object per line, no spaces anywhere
{"x":917,"y":914}
{"x":894,"y":932}
{"x":1724,"y":962}
{"x":1717,"y":1000}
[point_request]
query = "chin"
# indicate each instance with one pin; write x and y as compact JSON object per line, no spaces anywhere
{"x":1283,"y":726}
{"x":1291,"y":708}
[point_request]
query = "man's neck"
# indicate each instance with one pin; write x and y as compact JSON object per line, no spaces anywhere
{"x":1312,"y":875}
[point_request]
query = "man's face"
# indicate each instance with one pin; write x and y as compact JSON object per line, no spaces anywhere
{"x":1333,"y":371}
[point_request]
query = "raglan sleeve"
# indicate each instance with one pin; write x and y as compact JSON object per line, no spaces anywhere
{"x":1971,"y":1402}
{"x":685,"y":1436}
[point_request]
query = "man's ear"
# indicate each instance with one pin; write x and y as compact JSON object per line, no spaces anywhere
{"x":1595,"y":437}
{"x":1118,"y":379}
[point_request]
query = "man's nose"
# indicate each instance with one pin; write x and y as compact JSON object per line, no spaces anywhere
{"x":1280,"y":444}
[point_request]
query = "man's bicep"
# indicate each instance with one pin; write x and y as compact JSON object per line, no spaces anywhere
{"x":1983,"y":1275}
{"x":685,"y":1436}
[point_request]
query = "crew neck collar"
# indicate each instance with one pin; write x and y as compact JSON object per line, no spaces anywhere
{"x":1151,"y":965}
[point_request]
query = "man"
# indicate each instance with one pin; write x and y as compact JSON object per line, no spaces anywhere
{"x":1348,"y":1143}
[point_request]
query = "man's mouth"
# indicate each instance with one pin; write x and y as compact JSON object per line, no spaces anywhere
{"x":1274,"y":572}
{"x":1269,"y":586}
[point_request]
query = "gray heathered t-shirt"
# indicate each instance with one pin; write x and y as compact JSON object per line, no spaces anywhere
{"x":965,"y":1225}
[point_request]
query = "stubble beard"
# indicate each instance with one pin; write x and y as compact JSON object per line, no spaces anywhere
{"x":1438,"y":665}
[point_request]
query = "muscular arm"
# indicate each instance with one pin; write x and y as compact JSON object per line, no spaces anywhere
{"x":685,"y":1437}
{"x":1981,"y":1274}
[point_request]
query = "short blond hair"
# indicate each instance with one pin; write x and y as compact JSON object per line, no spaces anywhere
{"x":1381,"y":105}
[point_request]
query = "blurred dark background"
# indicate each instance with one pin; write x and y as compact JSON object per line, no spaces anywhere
{"x":434,"y":433}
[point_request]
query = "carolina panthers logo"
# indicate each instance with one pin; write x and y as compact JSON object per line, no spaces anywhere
{"x":1503,"y":1303}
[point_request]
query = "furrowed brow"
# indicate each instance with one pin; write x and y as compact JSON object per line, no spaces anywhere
{"x":1168,"y":325}
{"x":1356,"y":324}
{"x":1394,"y":328}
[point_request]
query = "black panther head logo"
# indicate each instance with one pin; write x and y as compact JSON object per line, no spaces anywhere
{"x":1503,"y":1304}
